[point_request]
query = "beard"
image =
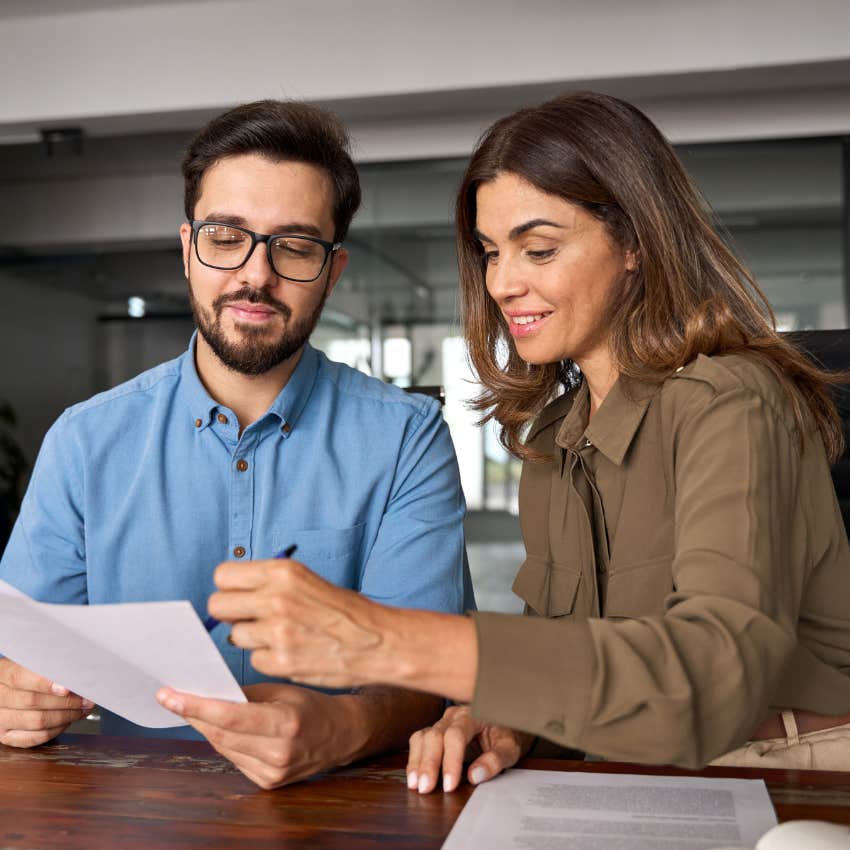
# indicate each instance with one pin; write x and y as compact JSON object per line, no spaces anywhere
{"x":257,"y":349}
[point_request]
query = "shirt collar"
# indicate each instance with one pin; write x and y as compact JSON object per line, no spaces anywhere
{"x":614,"y":426}
{"x":286,"y":407}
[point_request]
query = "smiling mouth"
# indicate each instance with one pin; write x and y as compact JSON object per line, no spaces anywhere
{"x":527,"y":320}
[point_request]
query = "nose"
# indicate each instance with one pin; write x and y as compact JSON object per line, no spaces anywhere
{"x":257,"y":271}
{"x":505,"y":280}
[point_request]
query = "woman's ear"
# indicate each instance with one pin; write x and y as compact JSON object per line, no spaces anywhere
{"x":632,"y":261}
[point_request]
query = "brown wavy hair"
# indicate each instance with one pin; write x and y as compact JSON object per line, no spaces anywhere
{"x":690,"y":295}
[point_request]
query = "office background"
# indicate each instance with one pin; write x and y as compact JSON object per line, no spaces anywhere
{"x":101,"y":96}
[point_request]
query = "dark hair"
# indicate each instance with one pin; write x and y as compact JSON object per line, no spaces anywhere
{"x":689,"y":295}
{"x":281,"y":130}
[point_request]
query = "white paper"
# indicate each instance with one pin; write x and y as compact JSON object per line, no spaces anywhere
{"x":545,"y":810}
{"x":118,"y":656}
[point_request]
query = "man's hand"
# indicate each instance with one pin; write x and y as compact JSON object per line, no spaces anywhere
{"x":445,"y":744}
{"x":33,"y":709}
{"x":284,"y":734}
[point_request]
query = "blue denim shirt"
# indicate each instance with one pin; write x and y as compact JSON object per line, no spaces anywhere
{"x":139,"y":492}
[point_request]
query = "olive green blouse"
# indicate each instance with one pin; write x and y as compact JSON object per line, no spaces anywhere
{"x":687,"y":572}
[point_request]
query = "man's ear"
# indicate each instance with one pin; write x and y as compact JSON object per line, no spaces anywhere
{"x":186,"y":240}
{"x":338,"y":261}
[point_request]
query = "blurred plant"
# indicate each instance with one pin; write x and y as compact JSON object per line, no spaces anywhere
{"x":13,"y":464}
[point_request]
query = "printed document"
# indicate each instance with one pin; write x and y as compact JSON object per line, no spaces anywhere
{"x":118,"y":656}
{"x":545,"y":810}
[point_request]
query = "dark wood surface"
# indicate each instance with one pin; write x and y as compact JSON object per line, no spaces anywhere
{"x":97,"y":792}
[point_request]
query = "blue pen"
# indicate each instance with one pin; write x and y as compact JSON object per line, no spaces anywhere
{"x":210,"y":622}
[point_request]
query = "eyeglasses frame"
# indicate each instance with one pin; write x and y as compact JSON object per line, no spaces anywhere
{"x":330,"y":247}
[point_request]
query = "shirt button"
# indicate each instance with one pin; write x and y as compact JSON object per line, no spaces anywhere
{"x":555,"y":727}
{"x":241,"y":465}
{"x":222,"y":418}
{"x":287,"y":428}
{"x":198,"y":423}
{"x":239,"y":552}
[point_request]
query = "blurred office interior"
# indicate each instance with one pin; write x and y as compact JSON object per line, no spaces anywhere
{"x":101,"y":97}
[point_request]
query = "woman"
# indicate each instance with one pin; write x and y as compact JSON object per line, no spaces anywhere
{"x":687,"y":581}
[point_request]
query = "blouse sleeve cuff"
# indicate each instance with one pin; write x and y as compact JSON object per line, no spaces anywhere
{"x":534,"y":674}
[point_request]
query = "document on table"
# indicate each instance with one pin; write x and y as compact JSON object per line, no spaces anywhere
{"x":118,"y":656}
{"x":545,"y":810}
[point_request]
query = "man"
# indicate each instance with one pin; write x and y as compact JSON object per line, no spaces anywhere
{"x":248,"y":443}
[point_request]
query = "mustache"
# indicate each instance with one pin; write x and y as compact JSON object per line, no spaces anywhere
{"x":252,"y":296}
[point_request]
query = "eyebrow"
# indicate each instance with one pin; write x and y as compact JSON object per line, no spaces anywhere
{"x":288,"y":227}
{"x":518,"y":231}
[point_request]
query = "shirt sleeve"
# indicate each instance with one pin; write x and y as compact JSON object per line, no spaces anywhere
{"x":684,"y":687}
{"x":46,"y":554}
{"x":418,"y":558}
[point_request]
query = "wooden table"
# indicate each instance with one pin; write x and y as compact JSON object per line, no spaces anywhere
{"x":94,"y":792}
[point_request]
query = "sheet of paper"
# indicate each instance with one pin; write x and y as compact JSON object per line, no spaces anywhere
{"x":118,"y":656}
{"x":544,"y":810}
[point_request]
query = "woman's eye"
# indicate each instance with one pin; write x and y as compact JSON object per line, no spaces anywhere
{"x":541,"y":255}
{"x":490,"y":257}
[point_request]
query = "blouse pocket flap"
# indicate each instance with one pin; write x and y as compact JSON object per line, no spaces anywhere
{"x":549,"y":589}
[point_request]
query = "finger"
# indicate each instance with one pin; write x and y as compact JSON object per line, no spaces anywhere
{"x":254,"y":719}
{"x":14,"y":676}
{"x":18,"y":738}
{"x":14,"y":698}
{"x":430,"y":759}
{"x":37,"y":721}
{"x":414,"y":757}
{"x":261,"y":748}
{"x":504,"y":753}
{"x":245,"y":575}
{"x":455,"y":743}
{"x":258,"y":771}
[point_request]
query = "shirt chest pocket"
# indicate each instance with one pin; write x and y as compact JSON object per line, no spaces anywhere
{"x":549,"y":588}
{"x":639,"y":590}
{"x":333,"y":553}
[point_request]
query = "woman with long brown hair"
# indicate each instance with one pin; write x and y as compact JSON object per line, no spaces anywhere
{"x":687,"y":581}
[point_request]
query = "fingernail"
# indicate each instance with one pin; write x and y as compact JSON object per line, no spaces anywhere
{"x":479,"y":774}
{"x":448,"y":782}
{"x":174,"y":705}
{"x":88,"y":705}
{"x":412,"y":780}
{"x":60,"y":691}
{"x":423,"y":784}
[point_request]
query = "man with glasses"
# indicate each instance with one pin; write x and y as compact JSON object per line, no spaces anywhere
{"x":249,"y":443}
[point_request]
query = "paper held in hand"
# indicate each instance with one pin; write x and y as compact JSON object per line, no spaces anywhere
{"x":118,"y":656}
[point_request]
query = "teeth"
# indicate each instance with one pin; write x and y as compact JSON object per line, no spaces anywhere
{"x":526,"y":320}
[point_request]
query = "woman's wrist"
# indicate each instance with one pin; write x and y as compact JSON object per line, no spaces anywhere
{"x":428,"y":651}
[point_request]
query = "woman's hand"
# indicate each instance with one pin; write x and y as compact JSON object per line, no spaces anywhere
{"x":300,"y":626}
{"x":304,"y":628}
{"x":446,"y":742}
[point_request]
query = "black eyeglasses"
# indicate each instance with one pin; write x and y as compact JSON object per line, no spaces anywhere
{"x":228,"y":247}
